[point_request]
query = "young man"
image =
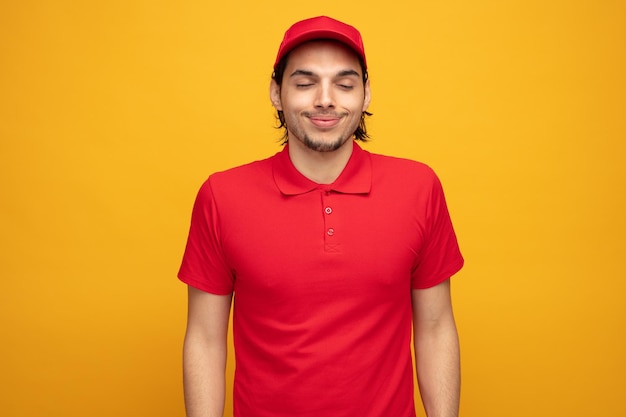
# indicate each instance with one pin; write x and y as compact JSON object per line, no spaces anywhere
{"x":335,"y":257}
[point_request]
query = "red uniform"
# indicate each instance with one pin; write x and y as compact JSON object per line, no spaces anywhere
{"x":322,"y":277}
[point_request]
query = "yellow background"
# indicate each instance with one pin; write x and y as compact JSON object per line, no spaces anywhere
{"x":113,"y":113}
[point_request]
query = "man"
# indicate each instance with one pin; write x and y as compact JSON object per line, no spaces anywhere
{"x":334,"y":256}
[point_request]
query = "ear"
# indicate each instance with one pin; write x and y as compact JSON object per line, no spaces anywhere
{"x":368,"y":95}
{"x":275,"y":95}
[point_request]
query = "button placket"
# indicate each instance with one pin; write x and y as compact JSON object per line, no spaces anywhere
{"x":330,"y":238}
{"x":328,"y":211}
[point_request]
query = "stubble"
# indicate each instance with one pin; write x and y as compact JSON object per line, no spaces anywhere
{"x":320,"y":146}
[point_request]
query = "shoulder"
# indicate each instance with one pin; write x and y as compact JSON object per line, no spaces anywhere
{"x":243,"y":180}
{"x":241,"y":176}
{"x":244,"y":172}
{"x":401,"y":169}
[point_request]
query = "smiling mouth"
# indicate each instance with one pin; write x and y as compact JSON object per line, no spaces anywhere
{"x":324,"y":120}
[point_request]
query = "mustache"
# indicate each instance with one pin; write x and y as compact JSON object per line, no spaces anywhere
{"x":324,"y":114}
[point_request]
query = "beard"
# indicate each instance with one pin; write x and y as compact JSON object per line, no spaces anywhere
{"x":320,"y":146}
{"x":322,"y":143}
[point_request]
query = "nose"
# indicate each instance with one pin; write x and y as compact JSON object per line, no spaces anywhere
{"x":324,"y":98}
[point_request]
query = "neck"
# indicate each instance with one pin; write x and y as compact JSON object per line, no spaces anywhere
{"x":320,"y":167}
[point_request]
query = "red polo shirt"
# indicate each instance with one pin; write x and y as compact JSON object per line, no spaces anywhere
{"x":322,"y":276}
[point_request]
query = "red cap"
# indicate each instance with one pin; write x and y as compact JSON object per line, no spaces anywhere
{"x":321,"y":27}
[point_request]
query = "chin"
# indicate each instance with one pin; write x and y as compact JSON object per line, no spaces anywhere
{"x":324,"y":145}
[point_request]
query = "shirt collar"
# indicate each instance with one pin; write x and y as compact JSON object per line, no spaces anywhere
{"x":356,"y":177}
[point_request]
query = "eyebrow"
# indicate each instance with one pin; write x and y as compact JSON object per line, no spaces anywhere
{"x":347,"y":73}
{"x":301,"y":72}
{"x":344,"y":73}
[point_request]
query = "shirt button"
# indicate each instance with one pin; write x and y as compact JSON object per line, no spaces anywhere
{"x":328,"y":210}
{"x":331,"y":231}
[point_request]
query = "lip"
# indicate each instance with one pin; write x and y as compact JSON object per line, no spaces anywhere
{"x":324,"y":121}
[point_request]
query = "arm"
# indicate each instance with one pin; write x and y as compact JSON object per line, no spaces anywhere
{"x":204,"y":353}
{"x":436,"y":350}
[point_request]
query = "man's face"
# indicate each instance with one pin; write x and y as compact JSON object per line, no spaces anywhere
{"x":322,"y":95}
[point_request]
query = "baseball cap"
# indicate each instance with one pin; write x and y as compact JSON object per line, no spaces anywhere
{"x":321,"y":27}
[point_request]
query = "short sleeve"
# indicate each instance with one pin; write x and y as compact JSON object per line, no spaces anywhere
{"x":203,"y":265}
{"x":440,"y":256}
